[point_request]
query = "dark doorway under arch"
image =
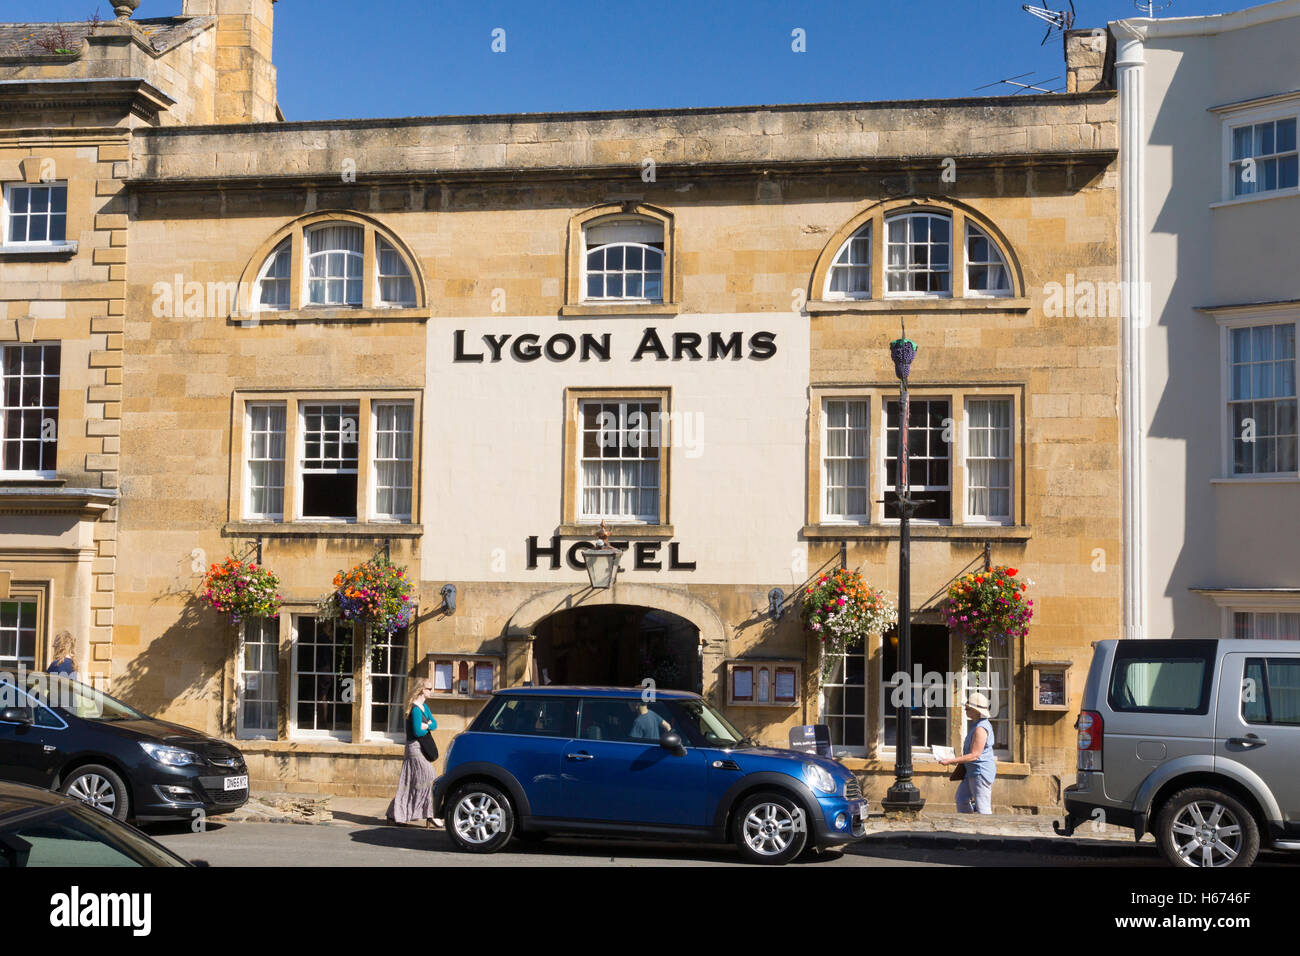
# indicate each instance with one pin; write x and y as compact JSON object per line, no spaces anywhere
{"x":618,"y":645}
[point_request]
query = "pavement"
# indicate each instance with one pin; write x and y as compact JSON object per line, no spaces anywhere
{"x":933,"y":830}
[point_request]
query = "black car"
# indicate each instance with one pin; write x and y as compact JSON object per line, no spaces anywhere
{"x":63,"y":735}
{"x":39,"y":828}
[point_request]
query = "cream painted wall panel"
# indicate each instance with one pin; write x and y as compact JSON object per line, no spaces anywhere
{"x":495,"y":439}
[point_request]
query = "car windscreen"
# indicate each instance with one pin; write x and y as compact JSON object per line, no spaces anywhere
{"x":77,"y":836}
{"x":708,"y":723}
{"x":79,"y":700}
{"x":1162,"y":677}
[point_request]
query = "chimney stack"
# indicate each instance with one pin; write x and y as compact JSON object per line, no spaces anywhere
{"x":245,"y":73}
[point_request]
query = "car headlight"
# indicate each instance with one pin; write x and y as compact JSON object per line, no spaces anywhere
{"x":819,"y":778}
{"x":170,"y":756}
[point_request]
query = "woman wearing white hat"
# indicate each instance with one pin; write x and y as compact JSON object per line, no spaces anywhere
{"x":977,"y":766}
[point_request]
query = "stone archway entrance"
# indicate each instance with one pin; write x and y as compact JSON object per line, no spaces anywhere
{"x":673,"y":609}
{"x":618,"y":645}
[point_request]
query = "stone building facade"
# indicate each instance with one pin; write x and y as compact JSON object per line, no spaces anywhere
{"x":346,"y":338}
{"x":71,"y":96}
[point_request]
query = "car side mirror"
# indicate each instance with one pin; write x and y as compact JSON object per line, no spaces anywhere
{"x":672,"y":742}
{"x":17,"y":715}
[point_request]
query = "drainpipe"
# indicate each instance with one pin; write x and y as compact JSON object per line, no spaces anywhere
{"x":1129,"y":62}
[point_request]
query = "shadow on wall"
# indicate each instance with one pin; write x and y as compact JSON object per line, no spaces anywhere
{"x":180,"y":665}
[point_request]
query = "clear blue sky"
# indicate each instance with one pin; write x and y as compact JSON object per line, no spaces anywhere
{"x":375,"y":58}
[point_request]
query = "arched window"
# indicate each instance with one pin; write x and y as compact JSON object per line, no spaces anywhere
{"x":623,"y":260}
{"x":335,"y":264}
{"x":986,"y":270}
{"x":918,"y":255}
{"x":273,"y":282}
{"x":333,"y":260}
{"x":850,"y":272}
{"x":396,"y":287}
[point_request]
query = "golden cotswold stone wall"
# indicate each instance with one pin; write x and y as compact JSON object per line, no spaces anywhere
{"x":757,"y":198}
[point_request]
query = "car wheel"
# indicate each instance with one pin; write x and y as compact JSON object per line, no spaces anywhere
{"x":480,"y":818}
{"x":99,"y":787}
{"x":770,"y":828}
{"x":1205,"y":827}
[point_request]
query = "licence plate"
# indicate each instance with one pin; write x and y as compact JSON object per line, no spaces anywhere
{"x":237,"y":783}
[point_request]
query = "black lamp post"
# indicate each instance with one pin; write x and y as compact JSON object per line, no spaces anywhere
{"x":903,"y":795}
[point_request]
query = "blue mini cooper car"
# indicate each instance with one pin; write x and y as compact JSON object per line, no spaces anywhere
{"x":543,"y":760}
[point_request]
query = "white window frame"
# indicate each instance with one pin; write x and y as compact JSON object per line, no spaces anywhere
{"x":844,"y":750}
{"x":368,"y":730}
{"x":349,"y":255}
{"x":10,"y":664}
{"x":1275,"y":611}
{"x":882,"y":459}
{"x":380,"y":276}
{"x":1006,"y":695}
{"x":1283,"y":107}
{"x":38,"y":243}
{"x":916,"y":214}
{"x":885,"y":705}
{"x":300,"y":456}
{"x":248,"y":512}
{"x":1244,"y":319}
{"x":372,"y":495}
{"x":970,"y":517}
{"x":296,"y":732}
{"x":999,"y":259}
{"x":826,"y":516}
{"x":242,"y":731}
{"x":22,"y":472}
{"x":284,"y":247}
{"x":643,"y":245}
{"x":865,"y":234}
{"x":656,"y":437}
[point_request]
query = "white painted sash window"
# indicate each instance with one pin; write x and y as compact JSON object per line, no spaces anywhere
{"x":29,"y":409}
{"x":918,"y":255}
{"x":845,"y":460}
{"x":1262,"y":399}
{"x":619,"y":449}
{"x":266,"y":461}
{"x":36,"y":215}
{"x":988,"y":459}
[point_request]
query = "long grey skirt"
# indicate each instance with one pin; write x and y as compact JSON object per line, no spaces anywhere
{"x":414,"y":799}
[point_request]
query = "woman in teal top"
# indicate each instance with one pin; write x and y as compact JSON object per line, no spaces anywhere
{"x":414,"y":799}
{"x":975,"y":792}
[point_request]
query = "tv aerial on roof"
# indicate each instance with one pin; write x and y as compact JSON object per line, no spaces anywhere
{"x":1152,"y":7}
{"x":1056,"y":19}
{"x":1023,"y":87}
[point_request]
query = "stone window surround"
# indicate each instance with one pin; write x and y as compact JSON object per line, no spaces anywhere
{"x":52,"y":246}
{"x":286,"y":737}
{"x":960,"y":299}
{"x":573,"y":397}
{"x":38,"y":592}
{"x":367,"y":522}
{"x":18,"y":473}
{"x":299,"y":308}
{"x":575,"y":260}
{"x":878,"y":526}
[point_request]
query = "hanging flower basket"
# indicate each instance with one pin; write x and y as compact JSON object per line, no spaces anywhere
{"x":842,"y":609}
{"x":989,"y":604}
{"x":241,"y":590}
{"x":375,"y":593}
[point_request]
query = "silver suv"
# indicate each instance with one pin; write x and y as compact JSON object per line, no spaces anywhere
{"x":1195,"y":741}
